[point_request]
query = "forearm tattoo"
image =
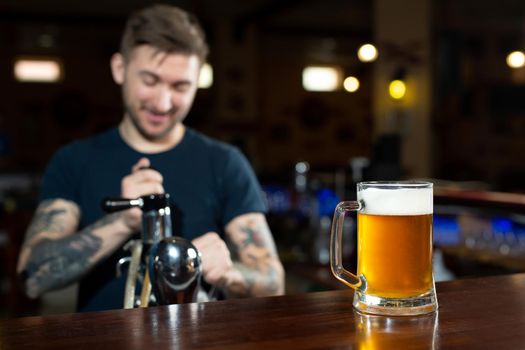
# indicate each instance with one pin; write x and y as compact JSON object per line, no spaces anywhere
{"x":57,"y":262}
{"x":256,"y":263}
{"x":44,"y":220}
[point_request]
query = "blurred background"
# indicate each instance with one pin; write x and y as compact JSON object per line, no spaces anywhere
{"x":318,"y":94}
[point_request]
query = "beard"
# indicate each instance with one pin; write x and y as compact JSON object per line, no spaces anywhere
{"x":135,"y":119}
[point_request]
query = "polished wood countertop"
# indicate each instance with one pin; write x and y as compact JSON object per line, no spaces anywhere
{"x":479,"y":313}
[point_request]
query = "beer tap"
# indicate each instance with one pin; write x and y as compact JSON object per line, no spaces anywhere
{"x":170,"y":266}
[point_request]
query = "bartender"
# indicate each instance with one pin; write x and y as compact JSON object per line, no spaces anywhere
{"x":217,"y":201}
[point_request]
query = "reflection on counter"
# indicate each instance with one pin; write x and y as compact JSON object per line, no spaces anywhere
{"x":382,"y":333}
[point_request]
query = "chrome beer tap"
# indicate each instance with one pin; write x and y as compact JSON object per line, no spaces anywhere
{"x":168,"y":266}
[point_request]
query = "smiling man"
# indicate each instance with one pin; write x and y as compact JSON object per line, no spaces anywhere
{"x":216,"y":198}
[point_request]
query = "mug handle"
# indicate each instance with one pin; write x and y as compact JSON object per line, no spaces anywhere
{"x":336,"y":251}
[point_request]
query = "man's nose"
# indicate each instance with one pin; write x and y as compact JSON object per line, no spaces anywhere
{"x":164,"y":102}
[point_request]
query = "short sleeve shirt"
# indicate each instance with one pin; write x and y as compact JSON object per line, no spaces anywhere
{"x":210,"y":183}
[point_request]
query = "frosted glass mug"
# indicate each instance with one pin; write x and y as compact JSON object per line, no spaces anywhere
{"x":394,"y":248}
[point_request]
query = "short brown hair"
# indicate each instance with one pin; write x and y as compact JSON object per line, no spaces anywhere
{"x":167,"y":28}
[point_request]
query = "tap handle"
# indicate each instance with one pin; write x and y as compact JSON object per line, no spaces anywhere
{"x":111,"y":205}
{"x":147,"y":203}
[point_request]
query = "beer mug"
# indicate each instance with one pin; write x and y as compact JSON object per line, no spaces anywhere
{"x":394,"y":248}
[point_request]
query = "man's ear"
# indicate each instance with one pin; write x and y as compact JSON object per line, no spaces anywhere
{"x":118,"y":68}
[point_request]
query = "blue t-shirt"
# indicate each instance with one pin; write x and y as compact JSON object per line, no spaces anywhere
{"x":210,"y":183}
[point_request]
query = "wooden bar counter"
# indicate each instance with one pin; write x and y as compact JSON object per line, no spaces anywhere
{"x":481,"y":313}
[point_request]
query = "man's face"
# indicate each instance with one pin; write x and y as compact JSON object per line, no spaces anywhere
{"x":158,"y":89}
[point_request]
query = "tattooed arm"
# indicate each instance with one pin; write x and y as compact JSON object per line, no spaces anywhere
{"x":251,"y":266}
{"x":55,"y":255}
{"x":258,"y":269}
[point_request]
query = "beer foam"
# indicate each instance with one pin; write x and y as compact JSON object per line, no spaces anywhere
{"x":403,"y":201}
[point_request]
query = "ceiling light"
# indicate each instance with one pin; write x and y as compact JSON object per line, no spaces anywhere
{"x":321,"y":78}
{"x":367,"y":53}
{"x":351,"y":84}
{"x":206,"y":76}
{"x":397,"y":89}
{"x":39,"y":70}
{"x":516,"y":59}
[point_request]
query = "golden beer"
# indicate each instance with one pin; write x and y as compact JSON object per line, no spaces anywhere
{"x":394,"y":248}
{"x":395,"y":254}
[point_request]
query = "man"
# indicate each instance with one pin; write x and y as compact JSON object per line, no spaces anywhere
{"x":216,"y":198}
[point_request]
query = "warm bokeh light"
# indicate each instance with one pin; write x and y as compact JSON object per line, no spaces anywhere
{"x":351,"y":84}
{"x":206,"y":76}
{"x":397,"y":89}
{"x":321,"y":78}
{"x":367,"y":53}
{"x":516,"y":59}
{"x":38,"y":70}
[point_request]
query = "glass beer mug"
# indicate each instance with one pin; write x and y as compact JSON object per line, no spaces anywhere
{"x":394,"y":248}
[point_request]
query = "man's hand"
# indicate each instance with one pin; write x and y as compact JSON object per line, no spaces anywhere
{"x":217,"y":264}
{"x":141,"y":182}
{"x":248,"y":265}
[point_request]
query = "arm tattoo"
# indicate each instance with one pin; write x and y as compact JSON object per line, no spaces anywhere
{"x":44,"y":219}
{"x":252,"y":279}
{"x":55,"y":263}
{"x":256,"y":267}
{"x":247,"y":240}
{"x":249,"y":280}
{"x":252,"y":237}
